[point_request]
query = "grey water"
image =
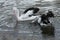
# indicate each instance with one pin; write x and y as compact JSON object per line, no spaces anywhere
{"x":26,"y":30}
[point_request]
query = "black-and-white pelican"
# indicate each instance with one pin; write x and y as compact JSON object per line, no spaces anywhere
{"x":27,"y":15}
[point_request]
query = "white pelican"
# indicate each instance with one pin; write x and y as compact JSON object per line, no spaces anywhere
{"x":25,"y":16}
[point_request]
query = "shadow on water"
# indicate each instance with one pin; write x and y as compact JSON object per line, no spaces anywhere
{"x":48,"y":30}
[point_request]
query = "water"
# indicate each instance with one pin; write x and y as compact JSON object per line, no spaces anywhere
{"x":26,"y":30}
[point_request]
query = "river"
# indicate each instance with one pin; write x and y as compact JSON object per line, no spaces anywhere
{"x":26,"y":30}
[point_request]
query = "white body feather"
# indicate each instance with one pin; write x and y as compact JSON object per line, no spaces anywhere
{"x":23,"y":17}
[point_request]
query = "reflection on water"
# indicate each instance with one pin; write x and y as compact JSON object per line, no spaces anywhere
{"x":48,"y":30}
{"x":48,"y":33}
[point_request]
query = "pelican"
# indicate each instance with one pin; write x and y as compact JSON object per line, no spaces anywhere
{"x":27,"y":15}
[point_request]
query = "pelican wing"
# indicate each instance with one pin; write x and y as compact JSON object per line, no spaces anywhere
{"x":28,"y":18}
